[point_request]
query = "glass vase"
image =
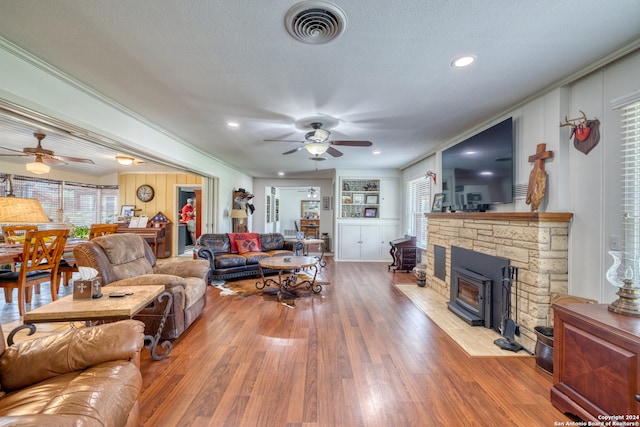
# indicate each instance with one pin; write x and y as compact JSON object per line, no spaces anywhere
{"x":629,"y":302}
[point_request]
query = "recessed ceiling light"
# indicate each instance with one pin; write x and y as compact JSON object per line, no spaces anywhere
{"x":233,"y":124}
{"x":377,"y":152}
{"x":281,"y":173}
{"x":463,"y":61}
{"x":486,"y":173}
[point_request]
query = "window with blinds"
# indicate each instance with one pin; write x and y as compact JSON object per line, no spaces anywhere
{"x":630,"y":145}
{"x":69,"y":202}
{"x":418,"y":202}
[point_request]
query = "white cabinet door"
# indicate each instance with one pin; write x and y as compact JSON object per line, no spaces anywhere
{"x":390,"y":198}
{"x":350,"y":242}
{"x":368,"y":242}
{"x":370,"y":246}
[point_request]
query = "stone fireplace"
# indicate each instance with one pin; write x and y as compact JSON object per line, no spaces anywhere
{"x":536,"y":243}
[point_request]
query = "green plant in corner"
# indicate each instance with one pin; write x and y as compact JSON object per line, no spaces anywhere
{"x":79,"y":231}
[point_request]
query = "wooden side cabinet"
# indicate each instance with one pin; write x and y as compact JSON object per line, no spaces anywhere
{"x":596,"y":362}
{"x":310,"y":227}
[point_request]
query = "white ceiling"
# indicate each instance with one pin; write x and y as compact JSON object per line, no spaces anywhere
{"x":191,"y":66}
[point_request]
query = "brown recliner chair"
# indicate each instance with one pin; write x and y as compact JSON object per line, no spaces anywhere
{"x":126,"y":259}
{"x":84,"y":376}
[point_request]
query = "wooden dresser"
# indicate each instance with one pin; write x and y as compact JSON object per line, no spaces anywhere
{"x":310,"y":227}
{"x":596,"y":363}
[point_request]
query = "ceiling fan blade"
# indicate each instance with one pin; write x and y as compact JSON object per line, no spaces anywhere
{"x":11,"y":149}
{"x":52,"y":161}
{"x":353,"y":143}
{"x":13,"y":155}
{"x":334,"y":152}
{"x":74,"y":159}
{"x":295,"y":150}
{"x":283,"y":140}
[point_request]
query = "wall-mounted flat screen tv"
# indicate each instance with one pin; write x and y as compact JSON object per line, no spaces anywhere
{"x":479,"y":171}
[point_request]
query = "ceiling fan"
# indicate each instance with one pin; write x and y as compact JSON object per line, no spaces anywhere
{"x":316,"y":142}
{"x":43,"y":157}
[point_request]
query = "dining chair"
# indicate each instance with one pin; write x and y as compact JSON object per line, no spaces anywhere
{"x":39,"y":264}
{"x":15,"y":234}
{"x":68,"y":264}
{"x":97,"y":230}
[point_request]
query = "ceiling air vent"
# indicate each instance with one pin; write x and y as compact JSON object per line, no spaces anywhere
{"x":315,"y":22}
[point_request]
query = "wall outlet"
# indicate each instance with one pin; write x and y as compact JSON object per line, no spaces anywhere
{"x":615,"y":243}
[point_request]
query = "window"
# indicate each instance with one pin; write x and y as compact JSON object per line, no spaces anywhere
{"x":630,"y":145}
{"x":418,"y":198}
{"x":70,"y":202}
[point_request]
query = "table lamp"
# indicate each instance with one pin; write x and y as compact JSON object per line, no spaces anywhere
{"x":20,"y":210}
{"x":239,"y":215}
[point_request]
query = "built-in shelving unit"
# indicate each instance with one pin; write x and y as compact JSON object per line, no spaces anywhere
{"x":360,"y":198}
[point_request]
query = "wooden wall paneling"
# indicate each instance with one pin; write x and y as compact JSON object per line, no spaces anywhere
{"x":170,"y":188}
{"x":164,"y":186}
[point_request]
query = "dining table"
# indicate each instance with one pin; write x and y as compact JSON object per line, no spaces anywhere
{"x":12,"y":252}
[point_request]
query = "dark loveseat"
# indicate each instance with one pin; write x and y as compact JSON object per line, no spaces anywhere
{"x":229,"y":260}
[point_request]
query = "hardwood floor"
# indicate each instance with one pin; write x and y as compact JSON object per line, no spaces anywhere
{"x":359,"y":354}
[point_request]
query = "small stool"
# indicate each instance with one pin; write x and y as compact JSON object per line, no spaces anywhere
{"x":420,"y":271}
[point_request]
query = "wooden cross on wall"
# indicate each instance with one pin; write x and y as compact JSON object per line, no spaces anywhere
{"x":538,"y":177}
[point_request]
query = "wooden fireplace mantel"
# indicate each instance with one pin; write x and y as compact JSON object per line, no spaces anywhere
{"x":505,"y":216}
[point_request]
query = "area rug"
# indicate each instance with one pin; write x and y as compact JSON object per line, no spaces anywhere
{"x":477,"y":341}
{"x":243,"y":288}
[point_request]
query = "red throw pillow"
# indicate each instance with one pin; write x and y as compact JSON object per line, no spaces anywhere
{"x":236,"y":237}
{"x":247,"y":245}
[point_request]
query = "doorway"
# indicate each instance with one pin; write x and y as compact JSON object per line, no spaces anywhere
{"x":186,"y":237}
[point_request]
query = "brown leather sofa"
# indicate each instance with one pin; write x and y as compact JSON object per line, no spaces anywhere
{"x":225,"y":261}
{"x":126,"y":259}
{"x":80,"y":377}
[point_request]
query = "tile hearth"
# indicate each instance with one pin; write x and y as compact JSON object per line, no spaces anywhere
{"x":477,"y":341}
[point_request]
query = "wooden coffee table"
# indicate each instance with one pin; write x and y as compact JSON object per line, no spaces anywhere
{"x":104,"y":309}
{"x":288,"y":268}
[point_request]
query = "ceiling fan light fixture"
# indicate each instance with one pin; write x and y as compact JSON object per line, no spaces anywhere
{"x":317,"y":148}
{"x":38,"y":167}
{"x":125,"y":160}
{"x":317,"y":135}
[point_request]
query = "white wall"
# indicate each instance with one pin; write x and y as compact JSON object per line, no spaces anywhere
{"x":28,"y":82}
{"x":589,"y":186}
{"x":289,"y":200}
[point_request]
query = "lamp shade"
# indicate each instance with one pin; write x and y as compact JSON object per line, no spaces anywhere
{"x":18,"y":210}
{"x":38,"y":167}
{"x":317,"y":148}
{"x":238,"y":213}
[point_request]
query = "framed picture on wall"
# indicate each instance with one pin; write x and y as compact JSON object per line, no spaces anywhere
{"x":268,"y":208}
{"x":326,"y":203}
